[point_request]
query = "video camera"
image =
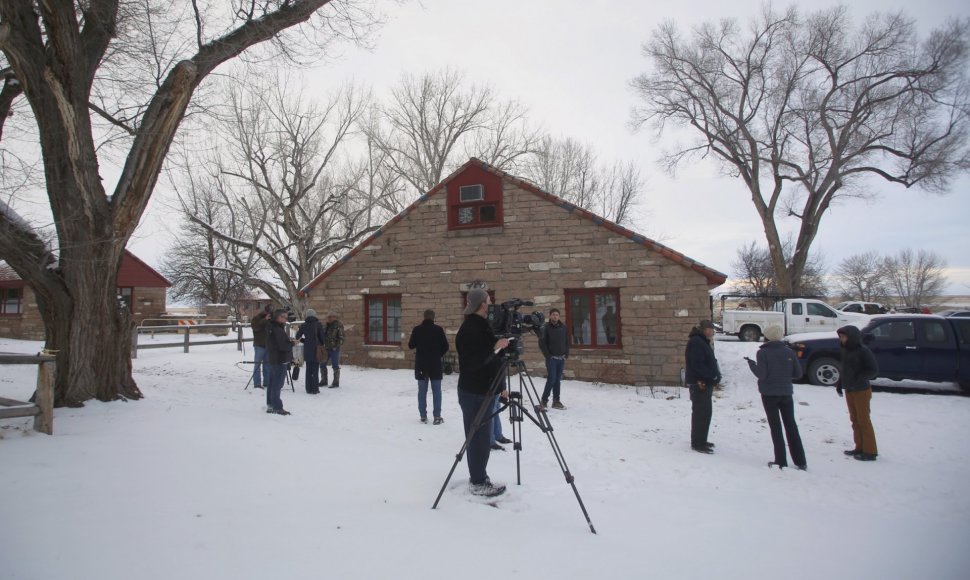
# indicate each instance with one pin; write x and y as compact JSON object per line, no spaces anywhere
{"x":290,"y":315}
{"x":508,"y":322}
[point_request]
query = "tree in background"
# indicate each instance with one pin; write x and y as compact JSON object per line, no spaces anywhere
{"x":198,"y":263}
{"x":110,"y":82}
{"x":862,"y":277}
{"x":916,"y":276}
{"x":801,"y":109}
{"x":569,"y":169}
{"x":754,"y":271}
{"x":289,"y":203}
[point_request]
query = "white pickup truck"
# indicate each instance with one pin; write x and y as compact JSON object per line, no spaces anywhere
{"x":794,"y":315}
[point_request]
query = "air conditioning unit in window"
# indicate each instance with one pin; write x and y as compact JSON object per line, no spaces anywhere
{"x":471,"y":193}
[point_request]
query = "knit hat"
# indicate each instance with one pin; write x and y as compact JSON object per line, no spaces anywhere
{"x":475,"y":299}
{"x":311,"y":312}
{"x":774,"y":333}
{"x":705,"y":324}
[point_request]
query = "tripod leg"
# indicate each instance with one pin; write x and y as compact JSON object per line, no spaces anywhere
{"x":477,"y":424}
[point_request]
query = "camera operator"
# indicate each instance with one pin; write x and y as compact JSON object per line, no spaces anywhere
{"x":279,"y":353}
{"x":259,"y":323}
{"x":479,"y":364}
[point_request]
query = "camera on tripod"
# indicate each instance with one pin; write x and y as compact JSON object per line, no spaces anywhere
{"x":290,"y":315}
{"x":508,"y":322}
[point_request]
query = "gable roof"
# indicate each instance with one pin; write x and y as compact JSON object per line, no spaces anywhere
{"x":133,"y":272}
{"x":714,"y":278}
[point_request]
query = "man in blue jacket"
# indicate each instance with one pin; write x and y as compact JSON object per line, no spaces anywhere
{"x":701,"y":374}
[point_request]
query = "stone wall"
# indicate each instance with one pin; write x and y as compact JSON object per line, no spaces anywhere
{"x":540,"y":251}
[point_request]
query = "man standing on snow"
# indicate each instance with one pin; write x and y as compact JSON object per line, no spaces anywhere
{"x":430,"y":344}
{"x":701,"y":374}
{"x":858,"y":367}
{"x":478,"y":363}
{"x":333,"y":340}
{"x":554,"y":344}
{"x":279,"y":352}
{"x":259,"y":323}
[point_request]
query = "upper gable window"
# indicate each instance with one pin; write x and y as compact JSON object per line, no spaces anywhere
{"x":474,"y":200}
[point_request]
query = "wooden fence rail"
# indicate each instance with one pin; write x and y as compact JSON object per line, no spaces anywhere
{"x":42,"y":409}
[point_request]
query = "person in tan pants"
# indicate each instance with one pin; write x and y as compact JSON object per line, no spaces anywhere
{"x":858,"y":367}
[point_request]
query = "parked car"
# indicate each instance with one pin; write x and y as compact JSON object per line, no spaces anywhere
{"x":794,"y":315}
{"x":871,"y":308}
{"x":920,"y":347}
{"x":957,"y":313}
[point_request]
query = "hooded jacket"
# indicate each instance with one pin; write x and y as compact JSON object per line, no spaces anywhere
{"x":554,"y":340}
{"x":701,"y":364}
{"x":776,"y":368}
{"x":477,"y":362}
{"x":858,"y":363}
{"x":279,"y":349}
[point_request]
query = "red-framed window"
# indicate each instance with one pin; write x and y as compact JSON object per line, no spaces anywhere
{"x":382,"y":319}
{"x":474,"y":200}
{"x":593,"y":317}
{"x":11,"y":301}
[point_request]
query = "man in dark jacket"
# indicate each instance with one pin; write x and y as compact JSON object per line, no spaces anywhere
{"x":554,"y":344}
{"x":311,"y":334}
{"x":701,"y":374}
{"x":479,"y":364}
{"x":430,"y":344}
{"x":259,"y":323}
{"x":858,"y":367}
{"x":333,"y":334}
{"x":776,"y":368}
{"x":279,"y":352}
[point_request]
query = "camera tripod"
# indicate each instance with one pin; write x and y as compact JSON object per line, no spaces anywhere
{"x":289,"y":380}
{"x":517,"y":413}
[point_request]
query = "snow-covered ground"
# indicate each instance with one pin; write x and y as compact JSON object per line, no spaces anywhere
{"x":196,"y":481}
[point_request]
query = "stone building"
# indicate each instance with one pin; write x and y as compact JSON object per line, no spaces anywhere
{"x":628,"y":302}
{"x":140,"y":287}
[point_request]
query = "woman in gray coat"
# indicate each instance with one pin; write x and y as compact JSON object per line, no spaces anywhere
{"x":776,"y":368}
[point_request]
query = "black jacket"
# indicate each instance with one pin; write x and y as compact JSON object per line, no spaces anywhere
{"x":279,"y":349}
{"x":554,"y":340}
{"x":701,"y":364}
{"x":259,"y":324}
{"x":776,"y":368}
{"x":858,"y":363}
{"x":431,"y":343}
{"x":311,"y":331}
{"x":477,"y":362}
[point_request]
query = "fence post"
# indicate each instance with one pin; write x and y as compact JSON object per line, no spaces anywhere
{"x":134,"y":343}
{"x":186,"y":339}
{"x":44,"y":422}
{"x":239,"y":341}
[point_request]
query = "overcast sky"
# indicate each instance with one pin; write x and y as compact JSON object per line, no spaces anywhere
{"x":571,"y":63}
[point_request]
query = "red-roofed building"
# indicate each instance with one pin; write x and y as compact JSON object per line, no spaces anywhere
{"x":139,"y":286}
{"x":628,"y":302}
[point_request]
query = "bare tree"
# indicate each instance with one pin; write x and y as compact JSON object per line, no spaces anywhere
{"x":801,"y":109}
{"x":570,"y":170}
{"x":862,"y":277}
{"x":81,"y":67}
{"x":916,"y":276}
{"x":293,"y":206}
{"x":756,"y":274}
{"x":432,"y":120}
{"x":198,"y":264}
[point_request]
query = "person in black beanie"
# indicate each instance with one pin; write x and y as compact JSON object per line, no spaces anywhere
{"x":701,"y":374}
{"x":478,"y":363}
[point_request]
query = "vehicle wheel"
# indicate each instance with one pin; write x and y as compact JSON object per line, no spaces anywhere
{"x":824,"y":372}
{"x":965,"y":386}
{"x":749,"y":334}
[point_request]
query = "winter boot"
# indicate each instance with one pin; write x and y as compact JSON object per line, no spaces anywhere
{"x":336,"y":379}
{"x":324,"y":379}
{"x":557,"y":404}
